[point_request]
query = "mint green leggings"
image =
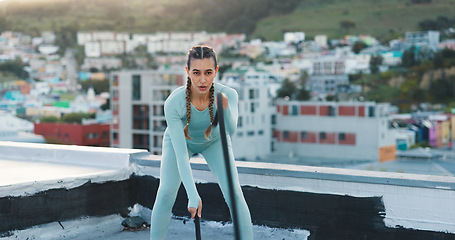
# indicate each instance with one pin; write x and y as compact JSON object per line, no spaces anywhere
{"x":170,"y":183}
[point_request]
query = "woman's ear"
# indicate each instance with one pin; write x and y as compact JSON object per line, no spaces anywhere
{"x":187,"y":70}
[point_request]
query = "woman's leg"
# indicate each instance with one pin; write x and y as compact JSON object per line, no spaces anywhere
{"x":214,"y":158}
{"x":167,"y":193}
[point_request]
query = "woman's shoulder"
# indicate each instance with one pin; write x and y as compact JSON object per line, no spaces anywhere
{"x":177,"y":95}
{"x":225,"y":89}
{"x":176,"y":98}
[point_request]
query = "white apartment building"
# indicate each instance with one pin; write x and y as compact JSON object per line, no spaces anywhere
{"x":327,"y":77}
{"x":428,"y":38}
{"x":15,"y":129}
{"x":336,"y":130}
{"x":137,"y":103}
{"x":102,"y":63}
{"x":253,"y":138}
{"x":294,"y":37}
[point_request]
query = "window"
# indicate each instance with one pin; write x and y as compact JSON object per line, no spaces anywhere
{"x":252,"y":107}
{"x":92,"y":135}
{"x":136,"y":87}
{"x":371,"y":111}
{"x":115,"y":82}
{"x":260,"y":132}
{"x":295,"y":110}
{"x":240,"y":134}
{"x":250,"y":133}
{"x":239,"y":122}
{"x":286,"y":134}
{"x":342,"y":136}
{"x":332,"y":111}
{"x":303,"y":135}
{"x":273,"y":119}
{"x":115,"y":136}
{"x":105,"y":134}
{"x":251,"y":93}
{"x":322,"y":136}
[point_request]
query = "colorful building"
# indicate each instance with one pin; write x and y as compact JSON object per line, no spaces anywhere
{"x":338,"y":130}
{"x":75,"y":134}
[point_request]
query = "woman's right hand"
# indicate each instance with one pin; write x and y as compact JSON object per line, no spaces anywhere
{"x":193,"y":210}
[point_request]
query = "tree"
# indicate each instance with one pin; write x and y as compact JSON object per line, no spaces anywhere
{"x":106,"y":105}
{"x":98,"y":86}
{"x":287,"y":89}
{"x":76,"y":117}
{"x":438,"y":60}
{"x":67,"y":36}
{"x":4,"y":25}
{"x":303,"y":94}
{"x":409,"y":57}
{"x":347,"y":24}
{"x":443,"y":90}
{"x":358,"y":46}
{"x":48,"y":119}
{"x":375,"y":62}
{"x":16,"y":67}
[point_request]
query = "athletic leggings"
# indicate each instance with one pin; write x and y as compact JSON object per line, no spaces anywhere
{"x":170,"y":183}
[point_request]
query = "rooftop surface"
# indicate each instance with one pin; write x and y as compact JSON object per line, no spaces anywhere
{"x":444,"y":166}
{"x":110,"y":228}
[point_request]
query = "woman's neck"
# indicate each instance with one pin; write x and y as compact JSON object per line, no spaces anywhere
{"x":201,"y":102}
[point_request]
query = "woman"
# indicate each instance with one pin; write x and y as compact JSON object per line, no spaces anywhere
{"x":189,"y":114}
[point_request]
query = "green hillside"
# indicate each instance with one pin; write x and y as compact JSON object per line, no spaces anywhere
{"x":267,"y":19}
{"x":384,"y":19}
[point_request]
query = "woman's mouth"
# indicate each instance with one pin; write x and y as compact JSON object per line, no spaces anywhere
{"x":202,"y":88}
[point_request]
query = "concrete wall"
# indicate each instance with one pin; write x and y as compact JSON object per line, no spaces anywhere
{"x":68,"y":154}
{"x":330,"y":203}
{"x":341,"y":203}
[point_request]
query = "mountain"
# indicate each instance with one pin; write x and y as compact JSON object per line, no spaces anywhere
{"x":266,"y":19}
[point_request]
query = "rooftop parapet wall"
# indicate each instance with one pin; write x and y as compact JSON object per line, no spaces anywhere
{"x":330,"y":201}
{"x":111,"y":158}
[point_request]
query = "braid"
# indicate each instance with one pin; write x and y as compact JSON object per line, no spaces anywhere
{"x":188,"y":108}
{"x":208,"y":131}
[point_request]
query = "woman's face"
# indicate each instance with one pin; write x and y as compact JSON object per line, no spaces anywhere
{"x":201,"y":72}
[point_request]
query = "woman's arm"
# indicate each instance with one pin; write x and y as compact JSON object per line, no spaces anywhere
{"x":231,"y":113}
{"x":175,"y":129}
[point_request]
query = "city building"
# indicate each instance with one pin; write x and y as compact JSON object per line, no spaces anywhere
{"x":96,"y":134}
{"x":253,"y":138}
{"x":328,"y":77}
{"x":15,"y":129}
{"x":294,"y":37}
{"x":137,"y":104}
{"x":337,"y":130}
{"x":428,"y":38}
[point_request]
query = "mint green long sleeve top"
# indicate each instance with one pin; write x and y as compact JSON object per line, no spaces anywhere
{"x":175,"y":113}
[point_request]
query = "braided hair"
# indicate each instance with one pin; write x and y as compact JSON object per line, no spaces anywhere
{"x":199,"y":52}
